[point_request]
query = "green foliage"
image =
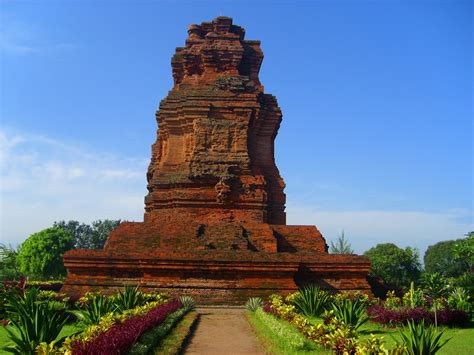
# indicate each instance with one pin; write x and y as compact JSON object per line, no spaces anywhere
{"x":441,"y":258}
{"x":96,"y":308}
{"x":459,"y":299}
{"x":396,"y":266}
{"x":464,"y":252}
{"x":358,"y":296}
{"x":41,"y":254}
{"x":284,"y":336}
{"x":421,"y":339}
{"x":8,"y":267}
{"x":254,"y":303}
{"x":130,"y":298}
{"x":311,"y":301}
{"x":45,"y":295}
{"x":342,"y":246}
{"x":436,"y":287}
{"x":466,"y":281}
{"x":392,"y":301}
{"x":414,"y":297}
{"x":32,"y":322}
{"x":187,"y":302}
{"x":352,"y":313}
{"x":89,"y":236}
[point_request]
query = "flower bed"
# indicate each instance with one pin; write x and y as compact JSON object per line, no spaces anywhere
{"x":119,"y":333}
{"x":449,"y":317}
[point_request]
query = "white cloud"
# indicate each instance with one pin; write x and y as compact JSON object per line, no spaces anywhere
{"x":365,"y":229}
{"x":43,"y":180}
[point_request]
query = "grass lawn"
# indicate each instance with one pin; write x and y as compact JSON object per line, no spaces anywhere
{"x":5,"y":340}
{"x":461,"y":338}
{"x":278,"y":344}
{"x":174,"y":341}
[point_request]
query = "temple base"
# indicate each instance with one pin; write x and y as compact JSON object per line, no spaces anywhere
{"x":213,"y":276}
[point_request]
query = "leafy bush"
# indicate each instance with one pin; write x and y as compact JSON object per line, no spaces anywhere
{"x":380,"y":314}
{"x":47,"y":295}
{"x":10,"y":288}
{"x":253,"y":304}
{"x":453,"y":317}
{"x":350,"y":312}
{"x":392,"y":301}
{"x":421,"y":339}
{"x":414,"y":297}
{"x":119,"y":337}
{"x":356,"y":296}
{"x":130,"y":298}
{"x":187,"y":302}
{"x":94,"y":310}
{"x":460,"y":299}
{"x":311,"y":301}
{"x":33,"y":322}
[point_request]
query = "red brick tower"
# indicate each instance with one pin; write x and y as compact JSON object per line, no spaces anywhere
{"x":215,"y":224}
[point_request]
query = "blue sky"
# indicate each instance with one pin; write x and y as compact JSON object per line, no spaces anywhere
{"x":376,"y":97}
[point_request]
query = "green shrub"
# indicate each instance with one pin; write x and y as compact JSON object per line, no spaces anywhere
{"x":94,"y":310}
{"x":311,"y":301}
{"x":253,"y":304}
{"x":352,"y":313}
{"x":414,"y":297}
{"x":130,"y":298}
{"x":421,"y":339}
{"x":187,"y":302}
{"x":32,"y":322}
{"x":392,"y":301}
{"x":459,"y":299}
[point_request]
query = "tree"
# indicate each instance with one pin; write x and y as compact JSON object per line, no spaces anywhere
{"x":41,"y":255}
{"x":89,"y":236}
{"x":464,"y":251}
{"x":440,"y":258}
{"x":436,"y":287}
{"x":396,"y":266}
{"x":342,"y":246}
{"x":8,"y":266}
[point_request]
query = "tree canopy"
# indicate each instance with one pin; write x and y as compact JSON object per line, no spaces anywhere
{"x":396,"y":266}
{"x":440,"y":258}
{"x":41,"y":255}
{"x":89,"y":236}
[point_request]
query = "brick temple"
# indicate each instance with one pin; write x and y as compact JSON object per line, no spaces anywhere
{"x":215,"y":223}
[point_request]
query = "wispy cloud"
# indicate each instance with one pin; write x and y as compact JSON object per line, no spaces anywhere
{"x":43,"y":180}
{"x":365,"y":229}
{"x":18,"y":38}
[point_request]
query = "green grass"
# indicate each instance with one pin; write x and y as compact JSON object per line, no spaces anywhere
{"x":174,"y":341}
{"x":277,"y":344}
{"x":68,"y":329}
{"x":460,"y":343}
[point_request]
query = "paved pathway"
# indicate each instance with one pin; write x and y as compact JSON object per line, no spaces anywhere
{"x":223,"y":331}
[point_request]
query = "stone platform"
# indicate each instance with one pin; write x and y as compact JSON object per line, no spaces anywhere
{"x":214,"y":276}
